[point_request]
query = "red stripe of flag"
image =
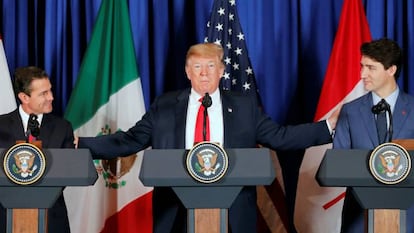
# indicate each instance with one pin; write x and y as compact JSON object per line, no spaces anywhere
{"x":136,"y":217}
{"x":342,"y":73}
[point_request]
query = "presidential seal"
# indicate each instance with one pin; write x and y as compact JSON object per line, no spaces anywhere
{"x":390,"y":163}
{"x":207,"y":162}
{"x":24,"y":163}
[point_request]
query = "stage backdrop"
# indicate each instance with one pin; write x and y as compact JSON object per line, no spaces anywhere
{"x":289,"y":43}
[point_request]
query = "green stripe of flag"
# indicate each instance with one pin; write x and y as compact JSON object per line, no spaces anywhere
{"x":108,"y":64}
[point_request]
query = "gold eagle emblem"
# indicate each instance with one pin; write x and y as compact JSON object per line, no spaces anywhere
{"x":24,"y":162}
{"x":208,"y":163}
{"x":391,"y":164}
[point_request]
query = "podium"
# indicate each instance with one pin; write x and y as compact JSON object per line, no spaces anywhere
{"x":349,"y":168}
{"x":64,"y":167}
{"x":246,"y":167}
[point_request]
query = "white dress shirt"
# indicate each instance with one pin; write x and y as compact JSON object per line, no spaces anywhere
{"x":215,"y":115}
{"x":391,"y":100}
{"x":25,"y":118}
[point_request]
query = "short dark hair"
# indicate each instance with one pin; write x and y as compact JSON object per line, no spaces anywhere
{"x":385,"y":51}
{"x":23,"y":77}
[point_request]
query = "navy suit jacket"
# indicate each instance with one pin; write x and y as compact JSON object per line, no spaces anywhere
{"x":356,"y":129}
{"x":54,"y":133}
{"x":245,"y":126}
{"x":356,"y":123}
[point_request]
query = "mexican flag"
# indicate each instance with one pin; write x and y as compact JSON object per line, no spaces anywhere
{"x":318,"y":209}
{"x":8,"y":102}
{"x":108,"y":97}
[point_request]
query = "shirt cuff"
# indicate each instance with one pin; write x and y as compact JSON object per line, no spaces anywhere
{"x":331,"y":131}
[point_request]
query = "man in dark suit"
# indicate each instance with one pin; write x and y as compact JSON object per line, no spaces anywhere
{"x":34,"y":91}
{"x":356,"y":128}
{"x":236,"y":121}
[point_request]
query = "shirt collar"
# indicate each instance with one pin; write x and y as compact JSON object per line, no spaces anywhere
{"x":25,"y":117}
{"x":391,"y":99}
{"x":215,"y":97}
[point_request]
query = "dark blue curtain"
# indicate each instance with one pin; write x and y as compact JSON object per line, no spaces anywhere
{"x":289,"y":43}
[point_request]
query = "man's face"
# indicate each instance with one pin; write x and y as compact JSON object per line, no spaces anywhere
{"x":204,"y":73}
{"x":375,"y":77}
{"x":40,"y":99}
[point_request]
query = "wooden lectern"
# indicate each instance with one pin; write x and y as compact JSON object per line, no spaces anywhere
{"x":28,"y":220}
{"x":27,"y":204}
{"x":385,"y":204}
{"x":386,"y":220}
{"x":247,"y":167}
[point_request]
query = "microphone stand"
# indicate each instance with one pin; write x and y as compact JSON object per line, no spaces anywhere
{"x":205,"y":124}
{"x":390,"y":128}
{"x":33,"y":129}
{"x":381,"y":107}
{"x":28,"y":132}
{"x":206,"y":103}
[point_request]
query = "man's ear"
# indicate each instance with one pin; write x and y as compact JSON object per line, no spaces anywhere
{"x":223,"y":69}
{"x":187,"y":72}
{"x":23,"y":97}
{"x":392,"y":70}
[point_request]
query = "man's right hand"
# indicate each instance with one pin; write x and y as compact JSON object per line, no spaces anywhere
{"x":333,"y":118}
{"x":75,"y":142}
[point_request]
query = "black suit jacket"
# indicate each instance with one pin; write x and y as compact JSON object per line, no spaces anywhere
{"x":245,"y":126}
{"x":55,"y":132}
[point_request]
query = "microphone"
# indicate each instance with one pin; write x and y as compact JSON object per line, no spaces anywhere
{"x":206,"y":102}
{"x":381,"y":107}
{"x":32,"y":127}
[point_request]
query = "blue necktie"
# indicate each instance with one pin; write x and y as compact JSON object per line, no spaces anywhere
{"x":382,"y":126}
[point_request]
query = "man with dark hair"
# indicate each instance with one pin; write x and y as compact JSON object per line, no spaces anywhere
{"x":357,"y":126}
{"x":34,"y":91}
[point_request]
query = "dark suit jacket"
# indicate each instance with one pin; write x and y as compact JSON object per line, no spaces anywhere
{"x":54,"y":133}
{"x":356,"y":129}
{"x":245,"y":126}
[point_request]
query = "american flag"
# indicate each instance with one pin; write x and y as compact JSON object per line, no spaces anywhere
{"x":224,"y":29}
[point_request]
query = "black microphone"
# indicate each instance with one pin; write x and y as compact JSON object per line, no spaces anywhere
{"x":381,"y":107}
{"x":206,"y":102}
{"x":33,"y":126}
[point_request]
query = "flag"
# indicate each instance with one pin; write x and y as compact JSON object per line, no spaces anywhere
{"x":318,"y":209}
{"x":224,"y":29}
{"x":108,"y":97}
{"x":8,"y":102}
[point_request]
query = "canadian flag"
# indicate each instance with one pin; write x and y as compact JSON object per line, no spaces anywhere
{"x":318,"y":209}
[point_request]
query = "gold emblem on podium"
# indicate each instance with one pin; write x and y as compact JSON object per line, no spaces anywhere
{"x":24,"y":163}
{"x":390,"y":163}
{"x":207,"y":162}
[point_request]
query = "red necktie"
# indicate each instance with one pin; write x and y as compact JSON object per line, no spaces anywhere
{"x":198,"y":134}
{"x":31,"y":138}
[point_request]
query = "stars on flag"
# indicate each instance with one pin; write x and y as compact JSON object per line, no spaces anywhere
{"x":224,"y":29}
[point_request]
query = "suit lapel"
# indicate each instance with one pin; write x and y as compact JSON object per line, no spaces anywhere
{"x":46,"y":129}
{"x":180,"y":118}
{"x":400,"y":114}
{"x":369,"y":118}
{"x":228,"y":118}
{"x":16,"y":126}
